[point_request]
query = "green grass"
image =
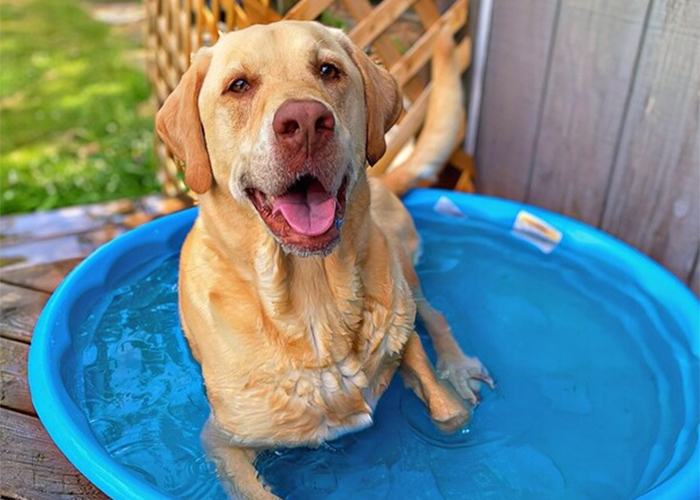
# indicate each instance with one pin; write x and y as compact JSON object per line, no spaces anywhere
{"x":75,"y":120}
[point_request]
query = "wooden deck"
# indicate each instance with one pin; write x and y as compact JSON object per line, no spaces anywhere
{"x":38,"y":251}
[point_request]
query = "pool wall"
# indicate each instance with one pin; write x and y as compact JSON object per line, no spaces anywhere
{"x":51,"y":354}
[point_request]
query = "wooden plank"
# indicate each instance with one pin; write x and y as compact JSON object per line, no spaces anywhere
{"x":159,"y":204}
{"x":360,"y":10}
{"x":421,"y":51}
{"x":592,"y":70}
{"x":262,"y":14}
{"x":368,"y":29}
{"x":43,"y":278}
{"x":307,"y":9}
{"x":427,"y":12}
{"x":63,"y":247}
{"x":33,"y":467}
{"x":654,"y":202}
{"x":462,"y":161}
{"x":465,"y":164}
{"x":14,"y":388}
{"x":19,"y":310}
{"x":465,"y":183}
{"x":71,"y":220}
{"x":520,"y":42}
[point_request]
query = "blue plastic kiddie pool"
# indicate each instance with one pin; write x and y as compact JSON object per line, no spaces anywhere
{"x":593,"y":346}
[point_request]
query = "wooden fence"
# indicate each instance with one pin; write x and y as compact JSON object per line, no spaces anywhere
{"x":591,"y":109}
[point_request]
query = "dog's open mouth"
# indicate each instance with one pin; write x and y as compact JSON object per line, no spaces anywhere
{"x":306,"y":218}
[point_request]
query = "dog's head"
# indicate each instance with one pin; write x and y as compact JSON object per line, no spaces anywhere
{"x":282,"y":117}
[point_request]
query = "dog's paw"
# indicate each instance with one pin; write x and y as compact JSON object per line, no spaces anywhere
{"x":465,"y":374}
{"x":451,"y":417}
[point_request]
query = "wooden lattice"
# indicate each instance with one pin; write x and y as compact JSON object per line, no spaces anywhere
{"x":177,"y":28}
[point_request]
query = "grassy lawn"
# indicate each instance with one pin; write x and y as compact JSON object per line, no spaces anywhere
{"x":75,"y":121}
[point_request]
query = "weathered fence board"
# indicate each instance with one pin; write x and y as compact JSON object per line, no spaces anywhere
{"x":42,"y":278}
{"x":591,"y":109}
{"x":14,"y":388}
{"x":654,"y":202}
{"x":591,"y":73}
{"x":19,"y":311}
{"x":521,"y":36}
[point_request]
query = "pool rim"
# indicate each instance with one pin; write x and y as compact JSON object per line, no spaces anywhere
{"x":57,"y":410}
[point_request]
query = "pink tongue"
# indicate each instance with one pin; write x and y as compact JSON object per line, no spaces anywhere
{"x":310,"y":213}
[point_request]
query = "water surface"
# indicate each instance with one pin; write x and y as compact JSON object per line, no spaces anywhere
{"x":587,"y":404}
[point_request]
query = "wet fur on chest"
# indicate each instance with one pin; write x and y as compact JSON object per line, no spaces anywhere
{"x":309,"y":345}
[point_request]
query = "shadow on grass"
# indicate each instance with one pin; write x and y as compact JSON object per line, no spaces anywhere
{"x":76,"y":122}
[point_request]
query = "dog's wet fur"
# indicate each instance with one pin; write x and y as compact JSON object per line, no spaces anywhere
{"x":297,"y":289}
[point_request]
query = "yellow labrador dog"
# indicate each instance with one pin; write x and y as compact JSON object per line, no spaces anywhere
{"x":297,"y":289}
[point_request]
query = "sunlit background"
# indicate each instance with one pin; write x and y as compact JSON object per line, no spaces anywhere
{"x":77,"y":118}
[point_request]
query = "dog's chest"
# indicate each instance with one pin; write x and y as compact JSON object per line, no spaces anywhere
{"x":330,"y":390}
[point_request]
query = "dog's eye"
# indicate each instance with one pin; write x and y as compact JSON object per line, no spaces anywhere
{"x":329,"y":71}
{"x":240,"y":85}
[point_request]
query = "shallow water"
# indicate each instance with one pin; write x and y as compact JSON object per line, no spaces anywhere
{"x":586,"y":407}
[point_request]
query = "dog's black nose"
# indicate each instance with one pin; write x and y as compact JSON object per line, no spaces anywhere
{"x":303,"y":124}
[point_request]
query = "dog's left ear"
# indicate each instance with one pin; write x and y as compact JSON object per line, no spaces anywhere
{"x":180,"y":127}
{"x":383,"y":104}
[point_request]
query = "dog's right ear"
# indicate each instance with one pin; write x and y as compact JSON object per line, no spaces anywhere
{"x":180,"y":127}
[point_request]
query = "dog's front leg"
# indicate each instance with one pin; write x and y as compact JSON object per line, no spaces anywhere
{"x":465,"y":373}
{"x":446,"y":409}
{"x":234,"y":466}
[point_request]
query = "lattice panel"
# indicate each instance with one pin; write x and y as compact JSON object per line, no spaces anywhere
{"x":177,"y":28}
